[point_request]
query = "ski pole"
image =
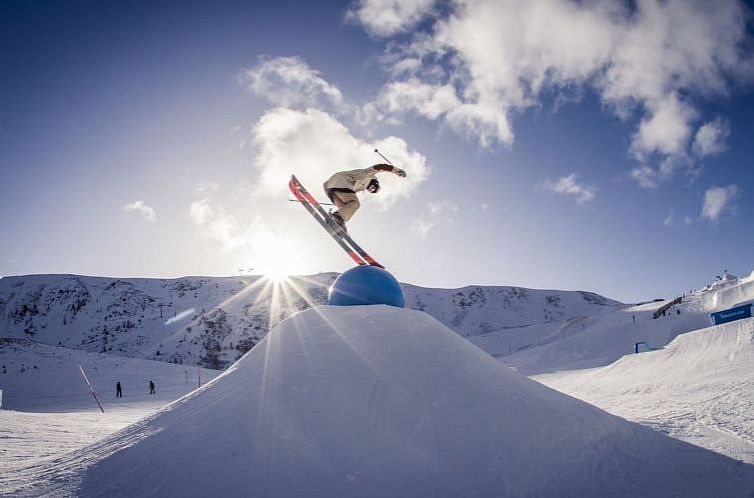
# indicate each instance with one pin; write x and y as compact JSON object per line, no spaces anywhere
{"x":320,"y":203}
{"x":383,"y":157}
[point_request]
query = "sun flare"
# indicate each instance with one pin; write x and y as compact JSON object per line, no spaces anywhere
{"x":274,"y":257}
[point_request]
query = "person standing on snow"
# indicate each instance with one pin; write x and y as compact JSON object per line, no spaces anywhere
{"x":151,"y":387}
{"x":118,"y":390}
{"x":341,"y":189}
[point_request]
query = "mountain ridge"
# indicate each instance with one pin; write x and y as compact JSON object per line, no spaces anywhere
{"x":213,"y":321}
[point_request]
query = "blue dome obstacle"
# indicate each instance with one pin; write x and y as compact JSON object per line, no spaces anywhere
{"x":366,"y":284}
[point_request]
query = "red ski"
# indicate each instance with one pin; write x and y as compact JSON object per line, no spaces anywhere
{"x":359,"y":255}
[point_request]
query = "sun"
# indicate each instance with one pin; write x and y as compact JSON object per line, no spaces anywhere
{"x":276,"y":274}
{"x":274,"y":257}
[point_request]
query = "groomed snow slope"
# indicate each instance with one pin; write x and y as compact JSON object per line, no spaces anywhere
{"x":48,"y":411}
{"x":380,"y":401}
{"x":43,"y":378}
{"x":700,"y":388}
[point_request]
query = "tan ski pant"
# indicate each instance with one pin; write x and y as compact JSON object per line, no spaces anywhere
{"x":347,"y":204}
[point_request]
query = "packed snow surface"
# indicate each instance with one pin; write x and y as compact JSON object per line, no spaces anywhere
{"x":380,"y":401}
{"x":700,"y":388}
{"x":49,"y":411}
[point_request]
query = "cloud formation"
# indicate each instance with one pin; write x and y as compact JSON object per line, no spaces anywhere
{"x":482,"y":62}
{"x":669,"y":219}
{"x":718,"y":201}
{"x":569,"y":185}
{"x":216,"y":224}
{"x":313,"y":144}
{"x":711,"y":138}
{"x":142,"y":209}
{"x":291,"y":82}
{"x":437,"y":213}
{"x":246,"y":234}
{"x":383,"y":18}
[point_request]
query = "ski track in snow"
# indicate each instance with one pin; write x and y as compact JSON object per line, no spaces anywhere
{"x":31,"y":438}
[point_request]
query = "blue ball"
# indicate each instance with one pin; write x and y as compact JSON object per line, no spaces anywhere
{"x":366,"y":284}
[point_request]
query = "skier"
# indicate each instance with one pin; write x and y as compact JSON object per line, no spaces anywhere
{"x":341,"y":189}
{"x":151,"y":387}
{"x":118,"y":390}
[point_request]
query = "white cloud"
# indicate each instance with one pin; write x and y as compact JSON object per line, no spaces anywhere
{"x":719,"y":200}
{"x":666,"y":131}
{"x":672,"y":219}
{"x":314,"y":145}
{"x":207,"y":187}
{"x":271,"y":248}
{"x":438,"y":208}
{"x":649,"y":177}
{"x":291,"y":82}
{"x":669,"y":219}
{"x":481,"y":62}
{"x":711,"y":137}
{"x":427,"y":100}
{"x":437,"y":213}
{"x":142,"y":209}
{"x":215,"y":223}
{"x":422,"y":226}
{"x":569,"y":185}
{"x":389,"y":17}
{"x":645,"y":176}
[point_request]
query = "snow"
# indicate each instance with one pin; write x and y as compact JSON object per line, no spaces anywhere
{"x":213,"y":321}
{"x":372,"y":401}
{"x":48,"y":410}
{"x":699,"y":388}
{"x":380,"y":401}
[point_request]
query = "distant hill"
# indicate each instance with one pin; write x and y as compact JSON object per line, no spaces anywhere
{"x":213,"y":321}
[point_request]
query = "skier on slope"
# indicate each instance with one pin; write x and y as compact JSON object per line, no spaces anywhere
{"x":341,"y":189}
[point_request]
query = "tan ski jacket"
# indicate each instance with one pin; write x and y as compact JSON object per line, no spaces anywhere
{"x":355,"y":179}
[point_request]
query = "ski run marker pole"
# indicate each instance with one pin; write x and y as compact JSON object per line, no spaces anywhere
{"x":91,"y":389}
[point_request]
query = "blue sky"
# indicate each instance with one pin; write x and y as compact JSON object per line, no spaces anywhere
{"x":598,"y":146}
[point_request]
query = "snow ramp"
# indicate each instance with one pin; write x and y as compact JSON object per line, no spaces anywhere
{"x":727,"y":293}
{"x":700,"y":388}
{"x":375,"y":401}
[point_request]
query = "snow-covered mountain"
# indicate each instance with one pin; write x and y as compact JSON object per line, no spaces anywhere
{"x":213,"y":321}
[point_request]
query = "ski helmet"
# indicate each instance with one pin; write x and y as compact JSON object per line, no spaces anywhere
{"x":373,"y":186}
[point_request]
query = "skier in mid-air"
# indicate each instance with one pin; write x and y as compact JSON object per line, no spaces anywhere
{"x":341,"y":189}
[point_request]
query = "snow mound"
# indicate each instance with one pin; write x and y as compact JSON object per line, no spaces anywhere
{"x":698,"y":388}
{"x":380,"y":401}
{"x":727,"y":294}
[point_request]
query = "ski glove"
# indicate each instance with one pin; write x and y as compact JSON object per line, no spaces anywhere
{"x":400,"y":172}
